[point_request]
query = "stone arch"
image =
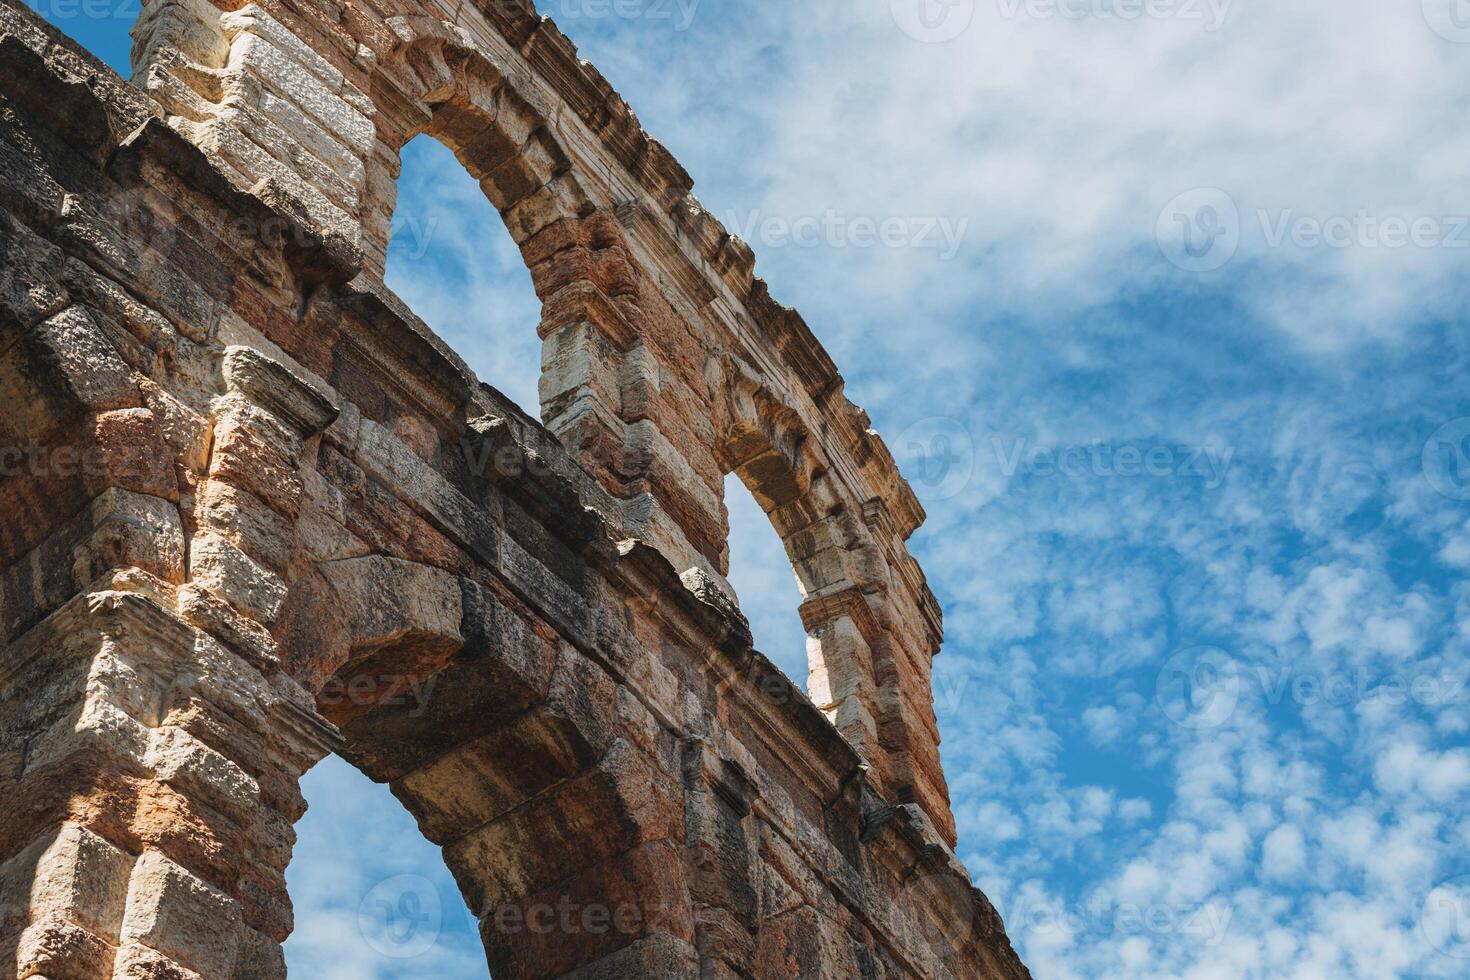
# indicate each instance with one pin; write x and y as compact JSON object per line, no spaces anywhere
{"x":509,"y":749}
{"x":866,"y":672}
{"x":434,"y":79}
{"x":765,"y":442}
{"x":599,"y":377}
{"x":316,"y":121}
{"x":837,"y":562}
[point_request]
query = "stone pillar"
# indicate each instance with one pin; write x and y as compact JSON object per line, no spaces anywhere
{"x":159,"y":779}
{"x":151,"y":741}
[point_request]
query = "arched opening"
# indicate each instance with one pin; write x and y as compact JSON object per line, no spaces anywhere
{"x":373,"y":898}
{"x":563,"y":837}
{"x":439,"y":82}
{"x":839,"y":570}
{"x":505,"y":745}
{"x":451,"y":259}
{"x":763,"y":579}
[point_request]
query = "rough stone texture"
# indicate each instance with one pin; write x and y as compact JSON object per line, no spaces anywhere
{"x":260,"y":513}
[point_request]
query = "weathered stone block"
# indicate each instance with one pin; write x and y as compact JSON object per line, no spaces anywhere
{"x":246,"y":522}
{"x":137,"y":962}
{"x":617,"y":805}
{"x":74,"y":875}
{"x":612,"y":906}
{"x":188,"y":920}
{"x":179,"y":758}
{"x":99,"y":727}
{"x":53,"y":948}
{"x":242,"y":459}
{"x":27,"y":290}
{"x":221,"y":566}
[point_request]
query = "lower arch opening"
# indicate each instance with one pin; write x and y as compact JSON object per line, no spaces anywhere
{"x":373,"y":898}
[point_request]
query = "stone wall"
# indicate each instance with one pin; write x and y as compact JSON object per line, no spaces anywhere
{"x":263,"y":514}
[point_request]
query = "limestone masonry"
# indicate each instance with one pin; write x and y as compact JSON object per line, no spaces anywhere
{"x":253,"y":512}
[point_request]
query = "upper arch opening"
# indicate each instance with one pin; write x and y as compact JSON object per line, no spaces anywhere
{"x":452,"y":261}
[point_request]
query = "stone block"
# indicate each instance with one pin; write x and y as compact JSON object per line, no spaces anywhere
{"x":73,"y":875}
{"x":28,"y":291}
{"x":190,"y":28}
{"x":247,"y":522}
{"x":240,"y":457}
{"x":610,"y":907}
{"x":182,"y":760}
{"x":665,"y":957}
{"x":54,"y":948}
{"x":255,"y":56}
{"x":85,"y":362}
{"x":488,"y":775}
{"x":134,"y":454}
{"x":137,"y":962}
{"x":615,"y":806}
{"x":220,"y":566}
{"x":181,"y":916}
{"x":99,"y":727}
{"x":130,"y":530}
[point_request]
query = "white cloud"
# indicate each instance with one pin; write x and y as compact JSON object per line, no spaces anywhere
{"x":1408,"y":768}
{"x":1284,"y":853}
{"x":1105,"y":724}
{"x":1061,"y":140}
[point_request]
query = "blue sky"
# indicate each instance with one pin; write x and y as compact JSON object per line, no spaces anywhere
{"x":1166,"y":325}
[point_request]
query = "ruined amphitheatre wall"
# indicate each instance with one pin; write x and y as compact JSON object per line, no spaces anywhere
{"x":256,"y":501}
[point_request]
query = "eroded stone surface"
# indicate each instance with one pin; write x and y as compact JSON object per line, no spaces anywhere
{"x":261,"y":513}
